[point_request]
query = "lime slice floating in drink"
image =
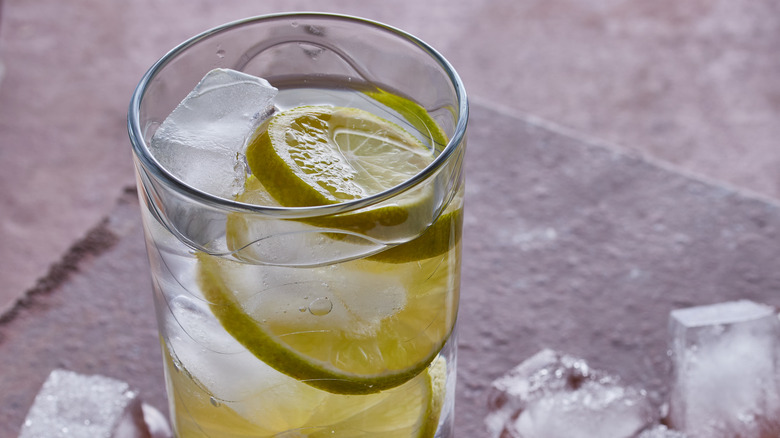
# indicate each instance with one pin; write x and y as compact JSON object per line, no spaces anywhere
{"x":318,"y":155}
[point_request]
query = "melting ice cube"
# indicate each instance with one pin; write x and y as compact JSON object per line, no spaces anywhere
{"x":202,"y":141}
{"x":661,"y":431}
{"x":77,"y":406}
{"x":552,"y":395}
{"x":725,"y":375}
{"x":209,"y":374}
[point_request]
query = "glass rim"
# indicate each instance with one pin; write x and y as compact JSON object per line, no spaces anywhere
{"x":150,"y":163}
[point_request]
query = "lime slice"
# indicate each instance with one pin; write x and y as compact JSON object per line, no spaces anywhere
{"x":318,"y":155}
{"x":277,"y":406}
{"x":437,"y":239}
{"x":414,"y":114}
{"x":353,"y":328}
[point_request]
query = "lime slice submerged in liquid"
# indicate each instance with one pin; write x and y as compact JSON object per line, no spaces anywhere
{"x":354,"y":329}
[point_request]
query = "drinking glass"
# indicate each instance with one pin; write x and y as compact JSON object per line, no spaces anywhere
{"x":328,"y":320}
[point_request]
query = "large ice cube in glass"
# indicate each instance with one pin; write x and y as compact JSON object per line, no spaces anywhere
{"x":552,"y":395}
{"x":725,"y":371}
{"x":203,"y":140}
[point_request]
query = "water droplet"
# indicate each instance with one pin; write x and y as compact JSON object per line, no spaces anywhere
{"x":294,"y":24}
{"x":221,"y":53}
{"x":320,"y":306}
{"x":215,"y":402}
{"x":302,"y":309}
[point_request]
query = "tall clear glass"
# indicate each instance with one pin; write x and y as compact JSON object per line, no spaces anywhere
{"x":330,"y":320}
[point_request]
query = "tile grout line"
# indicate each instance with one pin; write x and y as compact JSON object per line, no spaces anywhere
{"x":96,"y":241}
{"x":591,"y":140}
{"x":100,"y":238}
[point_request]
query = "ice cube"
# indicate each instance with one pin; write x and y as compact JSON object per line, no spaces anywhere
{"x":78,"y":406}
{"x":661,"y":431}
{"x":552,"y":395}
{"x":208,"y":374}
{"x":202,"y":141}
{"x":156,"y":422}
{"x":724,"y":381}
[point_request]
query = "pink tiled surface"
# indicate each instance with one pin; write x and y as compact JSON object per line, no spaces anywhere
{"x":588,"y":258}
{"x":680,"y":207}
{"x":689,"y":83}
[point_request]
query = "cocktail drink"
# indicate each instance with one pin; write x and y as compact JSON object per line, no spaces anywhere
{"x":301,"y":185}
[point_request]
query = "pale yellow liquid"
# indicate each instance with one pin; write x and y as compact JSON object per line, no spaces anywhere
{"x":217,"y":388}
{"x":198,"y":412}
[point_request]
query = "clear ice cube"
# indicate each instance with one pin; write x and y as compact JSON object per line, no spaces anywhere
{"x":661,"y":431}
{"x":725,"y":376}
{"x":211,"y":373}
{"x":78,"y":406}
{"x":156,"y":422}
{"x":553,"y":395}
{"x":203,"y":140}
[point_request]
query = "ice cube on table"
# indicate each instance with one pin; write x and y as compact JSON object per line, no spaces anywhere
{"x":725,"y":370}
{"x":203,"y":140}
{"x":661,"y":431}
{"x":78,"y":406}
{"x":553,"y":395}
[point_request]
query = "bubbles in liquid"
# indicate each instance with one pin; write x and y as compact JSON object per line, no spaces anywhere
{"x":320,"y":306}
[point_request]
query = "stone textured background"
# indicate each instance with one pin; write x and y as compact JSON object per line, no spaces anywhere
{"x":622,"y":162}
{"x":693,"y":84}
